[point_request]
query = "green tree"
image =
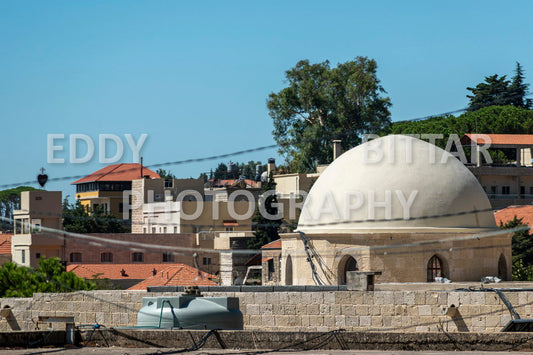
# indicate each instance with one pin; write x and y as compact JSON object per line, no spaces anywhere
{"x":266,"y":229}
{"x":77,"y":219}
{"x":322,"y":103}
{"x":164,"y":174}
{"x":50,"y":276}
{"x":522,"y":250}
{"x":10,"y":201}
{"x":494,"y":91}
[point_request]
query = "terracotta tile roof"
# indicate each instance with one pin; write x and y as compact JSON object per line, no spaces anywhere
{"x":177,"y":275}
{"x":5,"y":243}
{"x":508,"y":213}
{"x":499,"y":139}
{"x":135,"y":271}
{"x":118,"y":172}
{"x":254,"y":260}
{"x":276,"y":244}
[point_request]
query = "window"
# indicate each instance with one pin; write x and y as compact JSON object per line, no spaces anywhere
{"x":506,"y":190}
{"x":522,"y":190}
{"x":175,"y":229}
{"x":271,"y":269}
{"x":164,"y":229}
{"x":106,"y":257}
{"x":494,"y":190}
{"x":121,"y":207}
{"x":168,"y":182}
{"x":348,"y":264}
{"x":229,"y":229}
{"x":207,"y":261}
{"x":434,"y":268}
{"x":144,"y":230}
{"x":153,"y":229}
{"x":137,"y":257}
{"x":37,"y":255}
{"x":23,"y":256}
{"x":168,"y":257}
{"x":75,"y":257}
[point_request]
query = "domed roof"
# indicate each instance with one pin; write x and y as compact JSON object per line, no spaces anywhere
{"x":395,"y":183}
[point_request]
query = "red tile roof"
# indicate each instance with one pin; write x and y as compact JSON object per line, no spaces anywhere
{"x":276,"y":244}
{"x":500,"y":139}
{"x":508,"y":213}
{"x":113,"y":271}
{"x":5,"y":243}
{"x":118,"y":172}
{"x":177,"y":275}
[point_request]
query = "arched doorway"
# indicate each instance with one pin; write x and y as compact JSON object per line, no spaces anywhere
{"x":348,"y":263}
{"x":435,"y":268}
{"x":502,"y":268}
{"x":288,"y":271}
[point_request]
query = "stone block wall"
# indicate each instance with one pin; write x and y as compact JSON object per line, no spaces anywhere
{"x":405,"y":311}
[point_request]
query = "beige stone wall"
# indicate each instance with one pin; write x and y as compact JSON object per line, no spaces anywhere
{"x":406,"y":311}
{"x":401,"y":257}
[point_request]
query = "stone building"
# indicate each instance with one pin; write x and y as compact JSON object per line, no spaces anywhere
{"x":400,"y":206}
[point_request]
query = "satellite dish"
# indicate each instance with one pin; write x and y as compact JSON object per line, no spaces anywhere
{"x":264,"y":176}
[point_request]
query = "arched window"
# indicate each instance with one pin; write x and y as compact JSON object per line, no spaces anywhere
{"x":75,"y":257}
{"x":347,"y":264}
{"x":502,"y":268}
{"x":106,"y":257}
{"x":435,"y":268}
{"x":288,"y":271}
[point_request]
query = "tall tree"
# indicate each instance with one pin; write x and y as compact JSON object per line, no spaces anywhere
{"x":9,"y":202}
{"x":266,"y":227}
{"x":494,"y":91}
{"x":322,"y":103}
{"x":518,"y":90}
{"x":77,"y":219}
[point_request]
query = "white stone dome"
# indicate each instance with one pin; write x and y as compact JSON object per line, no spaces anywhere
{"x":395,"y":183}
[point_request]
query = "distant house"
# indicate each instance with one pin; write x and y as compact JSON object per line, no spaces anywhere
{"x":126,"y":276}
{"x":505,"y":185}
{"x":271,"y":262}
{"x":104,"y":188}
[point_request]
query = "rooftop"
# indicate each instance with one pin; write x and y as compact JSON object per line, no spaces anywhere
{"x":135,"y":271}
{"x":499,"y":140}
{"x":177,"y":275}
{"x":119,"y":172}
{"x":507,"y":214}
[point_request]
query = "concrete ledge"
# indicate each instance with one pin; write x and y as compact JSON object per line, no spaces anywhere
{"x":322,"y":341}
{"x":37,"y":338}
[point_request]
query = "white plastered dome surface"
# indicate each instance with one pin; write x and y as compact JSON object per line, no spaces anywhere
{"x":396,"y":183}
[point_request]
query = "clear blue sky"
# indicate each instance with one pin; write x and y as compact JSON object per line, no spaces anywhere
{"x":195,"y":76}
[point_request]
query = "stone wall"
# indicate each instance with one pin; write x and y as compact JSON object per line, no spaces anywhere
{"x":407,"y":311}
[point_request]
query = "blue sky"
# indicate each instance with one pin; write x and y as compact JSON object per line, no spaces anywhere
{"x":194,"y":76}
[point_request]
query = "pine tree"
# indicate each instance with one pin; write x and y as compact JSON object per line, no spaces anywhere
{"x":518,"y":90}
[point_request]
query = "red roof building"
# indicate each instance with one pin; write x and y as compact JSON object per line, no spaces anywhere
{"x":104,"y":188}
{"x":507,"y":214}
{"x":132,"y":275}
{"x":177,"y":275}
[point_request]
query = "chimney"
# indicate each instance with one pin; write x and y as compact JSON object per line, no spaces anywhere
{"x":271,"y":166}
{"x":337,"y":148}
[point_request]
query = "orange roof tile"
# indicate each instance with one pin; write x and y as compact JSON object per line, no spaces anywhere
{"x":508,"y":214}
{"x":5,"y":243}
{"x":135,"y":271}
{"x":118,"y":172}
{"x":500,"y":139}
{"x":177,"y":275}
{"x":276,"y":244}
